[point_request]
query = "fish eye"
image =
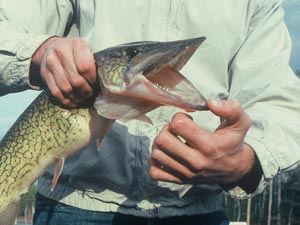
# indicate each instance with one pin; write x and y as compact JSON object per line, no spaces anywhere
{"x":130,"y":53}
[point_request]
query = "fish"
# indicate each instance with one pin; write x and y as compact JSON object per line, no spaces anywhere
{"x":132,"y":79}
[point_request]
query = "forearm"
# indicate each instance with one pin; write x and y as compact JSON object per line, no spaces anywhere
{"x":22,"y":34}
{"x":15,"y":58}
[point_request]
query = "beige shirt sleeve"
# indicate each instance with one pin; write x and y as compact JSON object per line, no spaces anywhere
{"x":24,"y":26}
{"x":267,"y":88}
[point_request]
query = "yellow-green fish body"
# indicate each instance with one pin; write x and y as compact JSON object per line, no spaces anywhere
{"x":43,"y":134}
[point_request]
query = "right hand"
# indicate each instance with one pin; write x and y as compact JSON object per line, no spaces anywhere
{"x":68,"y":69}
{"x":202,"y":157}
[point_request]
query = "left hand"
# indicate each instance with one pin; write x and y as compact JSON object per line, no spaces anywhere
{"x":67,"y":67}
{"x":202,"y":156}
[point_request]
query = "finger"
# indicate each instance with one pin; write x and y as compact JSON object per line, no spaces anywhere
{"x":175,"y":166}
{"x":193,"y":158}
{"x":157,"y":172}
{"x":78,"y":83}
{"x":230,"y":110}
{"x":168,"y":142}
{"x":84,"y":61}
{"x":236,"y":124}
{"x":56,"y":70}
{"x":196,"y":137}
{"x":54,"y":90}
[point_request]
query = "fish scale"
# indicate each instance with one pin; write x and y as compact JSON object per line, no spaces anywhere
{"x":61,"y":129}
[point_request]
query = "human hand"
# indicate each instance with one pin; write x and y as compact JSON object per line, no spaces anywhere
{"x":67,"y":67}
{"x":204,"y":157}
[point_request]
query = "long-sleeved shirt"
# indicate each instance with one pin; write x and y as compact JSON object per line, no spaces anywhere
{"x":245,"y":57}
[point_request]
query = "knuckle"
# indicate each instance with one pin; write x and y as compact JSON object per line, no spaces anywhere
{"x":44,"y":72}
{"x":66,"y":89}
{"x":160,"y":140}
{"x":84,"y":59}
{"x":86,"y":65}
{"x":196,"y":165}
{"x":78,"y":82}
{"x":247,"y":120}
{"x":177,"y":122}
{"x":83,"y":66}
{"x":153,"y":173}
{"x":50,"y":59}
{"x":235,"y":104}
{"x":66,"y":102}
{"x":59,"y":51}
{"x":211,"y":149}
{"x":155,"y":154}
{"x":56,"y":93}
{"x":180,"y":121}
{"x":189,"y":175}
{"x":79,"y":41}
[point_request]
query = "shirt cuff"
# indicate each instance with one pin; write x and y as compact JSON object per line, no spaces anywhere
{"x":17,"y":71}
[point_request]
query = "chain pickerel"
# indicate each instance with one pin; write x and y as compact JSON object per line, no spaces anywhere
{"x":134,"y":79}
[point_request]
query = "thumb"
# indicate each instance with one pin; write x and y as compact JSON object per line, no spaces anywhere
{"x":230,"y":110}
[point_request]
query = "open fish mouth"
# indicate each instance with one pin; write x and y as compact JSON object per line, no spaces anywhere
{"x":150,"y":74}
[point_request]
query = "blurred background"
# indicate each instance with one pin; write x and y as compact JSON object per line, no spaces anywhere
{"x":279,"y":204}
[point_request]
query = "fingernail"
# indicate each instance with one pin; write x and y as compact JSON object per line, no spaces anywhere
{"x":217,"y":103}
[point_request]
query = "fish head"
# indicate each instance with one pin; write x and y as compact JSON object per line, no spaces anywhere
{"x":138,"y":77}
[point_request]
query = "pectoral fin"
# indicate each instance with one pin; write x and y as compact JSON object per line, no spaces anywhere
{"x":58,"y":170}
{"x":105,"y":129}
{"x":145,"y":119}
{"x":9,"y":215}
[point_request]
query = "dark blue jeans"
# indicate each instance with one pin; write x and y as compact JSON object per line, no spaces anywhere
{"x":49,"y":212}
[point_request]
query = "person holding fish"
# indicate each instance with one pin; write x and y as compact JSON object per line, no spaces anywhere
{"x":169,"y":166}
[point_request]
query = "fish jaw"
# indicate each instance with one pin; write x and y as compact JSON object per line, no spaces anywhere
{"x":146,"y":74}
{"x":168,"y":87}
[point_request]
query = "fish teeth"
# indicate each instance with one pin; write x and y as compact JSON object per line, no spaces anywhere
{"x":161,"y":87}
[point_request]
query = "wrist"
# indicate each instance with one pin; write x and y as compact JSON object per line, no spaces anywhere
{"x":250,"y":180}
